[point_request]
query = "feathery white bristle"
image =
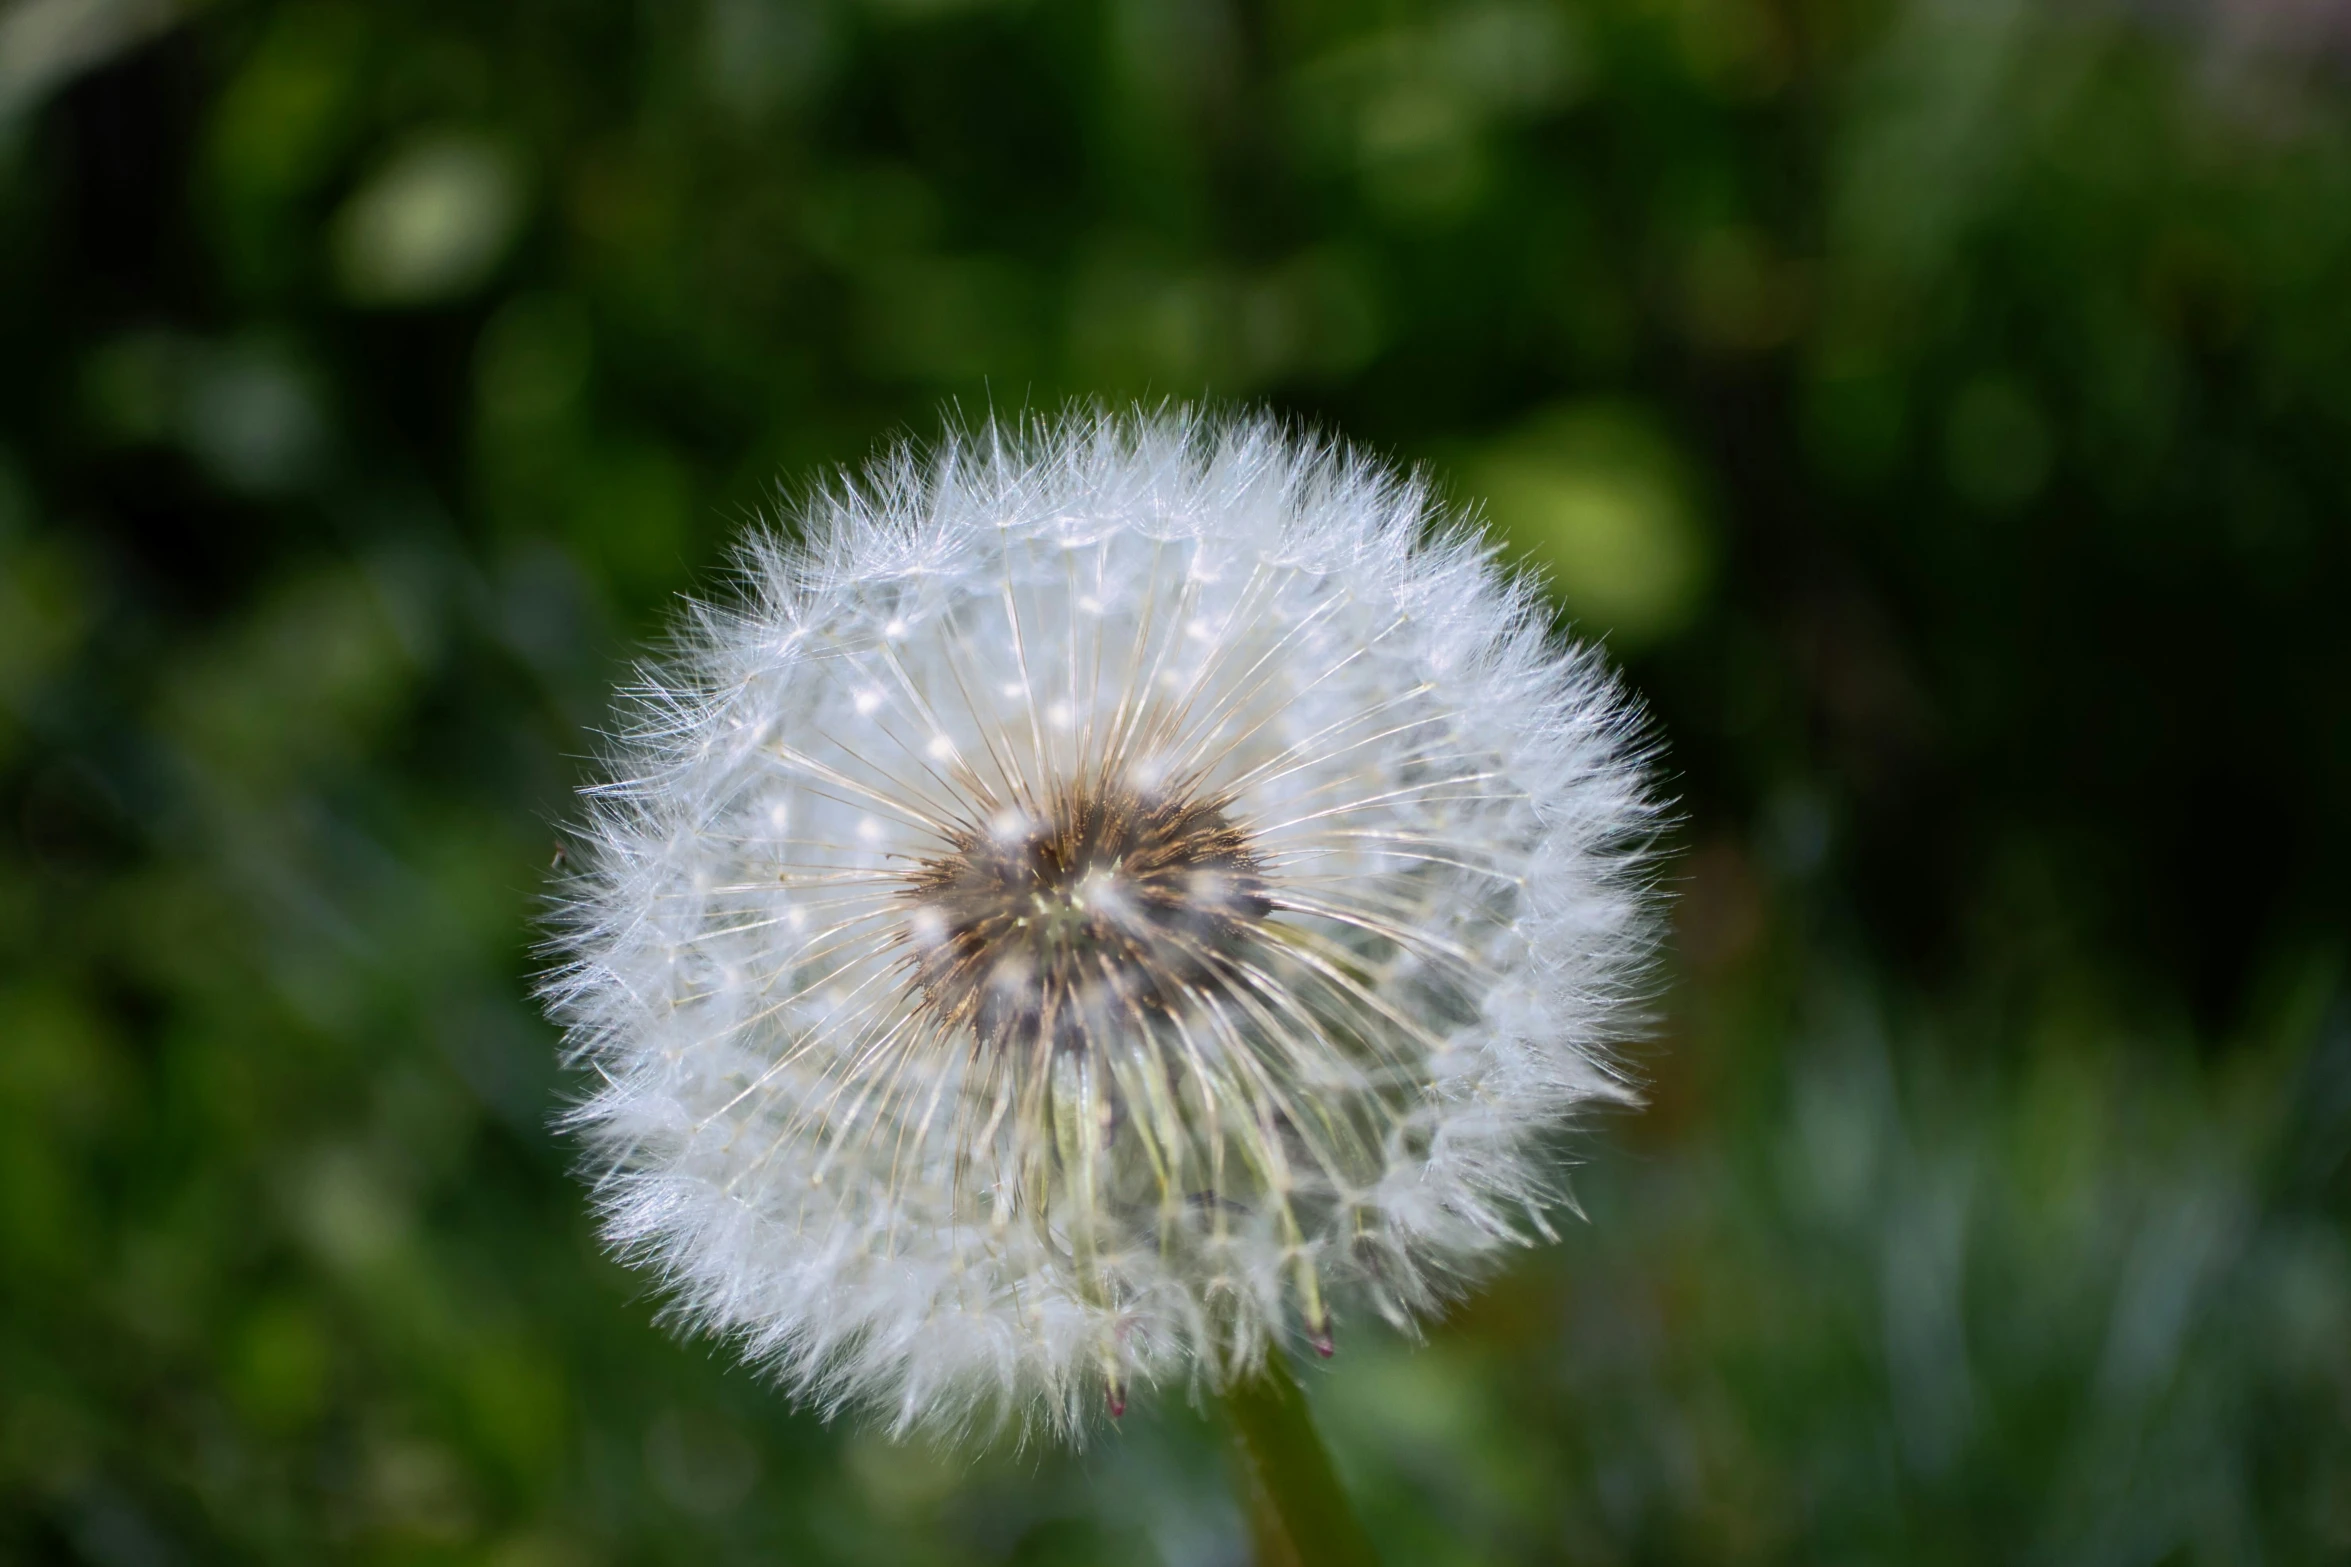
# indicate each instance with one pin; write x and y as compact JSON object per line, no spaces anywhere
{"x":1110,"y":889}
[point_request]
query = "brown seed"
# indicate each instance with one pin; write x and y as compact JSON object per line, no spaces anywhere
{"x":1109,"y":903}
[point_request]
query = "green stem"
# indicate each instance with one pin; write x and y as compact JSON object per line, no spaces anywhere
{"x":1301,"y":1516}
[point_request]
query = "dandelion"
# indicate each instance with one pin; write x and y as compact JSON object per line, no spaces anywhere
{"x":1108,"y":894}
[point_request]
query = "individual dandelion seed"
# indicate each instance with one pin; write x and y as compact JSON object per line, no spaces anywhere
{"x":1109,"y":889}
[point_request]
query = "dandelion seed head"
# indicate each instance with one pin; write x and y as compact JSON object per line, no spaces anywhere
{"x":1109,"y":894}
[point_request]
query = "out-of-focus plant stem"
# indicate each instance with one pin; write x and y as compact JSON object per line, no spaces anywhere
{"x":1299,"y":1515}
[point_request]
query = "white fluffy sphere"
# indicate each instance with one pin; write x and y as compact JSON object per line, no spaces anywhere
{"x":1109,"y":890}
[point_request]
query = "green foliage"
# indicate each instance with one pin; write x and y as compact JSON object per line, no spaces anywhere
{"x":1942,"y":406}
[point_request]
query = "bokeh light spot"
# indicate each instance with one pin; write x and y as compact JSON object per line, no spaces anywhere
{"x":1600,"y":499}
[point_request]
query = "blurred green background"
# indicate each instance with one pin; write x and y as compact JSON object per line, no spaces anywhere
{"x":1943,"y":407}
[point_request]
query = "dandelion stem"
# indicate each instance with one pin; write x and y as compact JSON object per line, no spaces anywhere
{"x":1299,"y":1514}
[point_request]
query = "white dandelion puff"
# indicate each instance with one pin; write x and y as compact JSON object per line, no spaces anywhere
{"x":1109,"y":890}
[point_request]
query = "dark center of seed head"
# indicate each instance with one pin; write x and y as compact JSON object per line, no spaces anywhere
{"x":1111,"y":908}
